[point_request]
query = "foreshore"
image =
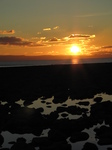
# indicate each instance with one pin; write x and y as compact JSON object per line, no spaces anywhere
{"x":81,"y":80}
{"x":61,"y":82}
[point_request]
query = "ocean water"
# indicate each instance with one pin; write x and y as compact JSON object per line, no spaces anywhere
{"x":53,"y":62}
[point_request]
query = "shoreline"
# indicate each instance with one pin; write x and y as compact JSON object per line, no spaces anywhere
{"x":25,"y":63}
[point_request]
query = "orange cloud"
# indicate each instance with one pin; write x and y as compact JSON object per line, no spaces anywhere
{"x":7,"y":32}
{"x":42,"y":38}
{"x":81,"y":36}
{"x":57,"y":27}
{"x":43,"y":41}
{"x":94,"y":14}
{"x":102,"y":52}
{"x":38,"y":33}
{"x":46,"y":29}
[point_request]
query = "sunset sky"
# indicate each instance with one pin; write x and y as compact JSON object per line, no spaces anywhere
{"x":56,"y":27}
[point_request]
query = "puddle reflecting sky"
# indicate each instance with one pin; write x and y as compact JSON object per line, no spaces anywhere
{"x":49,"y":107}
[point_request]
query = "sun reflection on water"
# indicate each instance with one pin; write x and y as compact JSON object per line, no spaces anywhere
{"x":75,"y":61}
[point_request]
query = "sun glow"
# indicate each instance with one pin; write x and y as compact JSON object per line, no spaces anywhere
{"x":75,"y":50}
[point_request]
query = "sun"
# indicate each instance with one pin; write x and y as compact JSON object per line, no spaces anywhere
{"x":75,"y":50}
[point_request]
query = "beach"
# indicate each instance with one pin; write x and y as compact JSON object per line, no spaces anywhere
{"x":53,"y":85}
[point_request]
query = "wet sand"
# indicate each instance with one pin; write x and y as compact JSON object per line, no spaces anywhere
{"x":60,"y":82}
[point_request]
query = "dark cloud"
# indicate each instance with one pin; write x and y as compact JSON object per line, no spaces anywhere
{"x":54,"y":39}
{"x":106,"y":47}
{"x":13,"y":41}
{"x":7,"y":32}
{"x":17,"y":41}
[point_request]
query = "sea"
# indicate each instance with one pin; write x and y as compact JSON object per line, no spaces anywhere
{"x":20,"y":63}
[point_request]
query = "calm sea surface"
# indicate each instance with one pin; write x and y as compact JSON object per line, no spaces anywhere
{"x":53,"y":62}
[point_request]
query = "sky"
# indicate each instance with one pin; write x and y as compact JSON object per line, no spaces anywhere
{"x":56,"y":27}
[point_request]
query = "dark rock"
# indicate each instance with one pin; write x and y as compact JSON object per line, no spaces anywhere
{"x":83,"y":92}
{"x":98,"y":99}
{"x":86,"y":103}
{"x":1,"y":139}
{"x":56,"y":135}
{"x":102,"y":111}
{"x":14,"y":107}
{"x":43,"y":102}
{"x":51,"y":117}
{"x":61,"y":109}
{"x":4,"y":149}
{"x":60,"y":97}
{"x":22,"y":145}
{"x":27,"y":103}
{"x":48,"y":106}
{"x":21,"y":140}
{"x":79,"y":136}
{"x":89,"y":146}
{"x":109,"y":148}
{"x":48,"y":103}
{"x":64,"y":105}
{"x":57,"y":146}
{"x":105,"y":141}
{"x":64,"y":115}
{"x":26,"y":120}
{"x":104,"y":134}
{"x":40,"y":141}
{"x":67,"y":126}
{"x":74,"y":110}
{"x":40,"y":110}
{"x":4,"y":109}
{"x":47,"y":95}
{"x":12,"y":142}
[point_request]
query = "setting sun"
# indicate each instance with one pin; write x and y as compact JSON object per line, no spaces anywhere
{"x":75,"y":50}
